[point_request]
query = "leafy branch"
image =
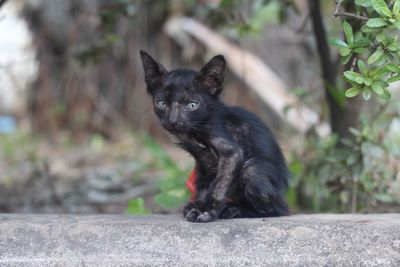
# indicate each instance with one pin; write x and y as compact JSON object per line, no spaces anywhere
{"x":339,"y":13}
{"x":375,"y":48}
{"x":351,"y":15}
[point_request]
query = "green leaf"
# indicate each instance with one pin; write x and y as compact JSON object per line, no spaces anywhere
{"x":358,"y":36}
{"x":227,"y":3}
{"x":348,"y":32}
{"x":393,"y":47}
{"x":296,"y":167}
{"x":354,"y":131}
{"x":375,"y":56}
{"x":170,"y":183}
{"x":386,"y":94}
{"x":364,"y":3}
{"x":368,"y":81}
{"x":171,"y":199}
{"x":347,"y":142}
{"x":380,"y":37}
{"x":158,"y":152}
{"x":354,"y":76}
{"x":363,"y":42}
{"x":268,"y":13}
{"x":394,"y":78}
{"x":377,"y":88}
{"x":352,"y":159}
{"x":362,"y":67}
{"x":372,"y":150}
{"x":344,"y":51}
{"x":376,"y":23}
{"x":291,"y":196}
{"x":382,"y":83}
{"x":382,"y":60}
{"x":337,"y":42}
{"x":367,"y":29}
{"x":393,"y":67}
{"x":378,"y":73}
{"x":136,"y":206}
{"x":352,"y":92}
{"x":381,"y":8}
{"x":397,"y":24}
{"x":345,"y":59}
{"x":383,"y":197}
{"x":366,"y":94}
{"x":396,"y":8}
{"x":360,"y":50}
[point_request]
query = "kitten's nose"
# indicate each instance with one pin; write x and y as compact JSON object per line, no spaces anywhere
{"x":173,"y":117}
{"x":173,"y":120}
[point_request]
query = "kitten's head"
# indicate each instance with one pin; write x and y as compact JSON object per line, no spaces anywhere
{"x":183,"y":98}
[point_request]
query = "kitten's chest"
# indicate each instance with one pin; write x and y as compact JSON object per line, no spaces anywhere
{"x":203,"y":145}
{"x":198,"y":146}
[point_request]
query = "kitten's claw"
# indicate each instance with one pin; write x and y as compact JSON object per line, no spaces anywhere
{"x":205,"y":217}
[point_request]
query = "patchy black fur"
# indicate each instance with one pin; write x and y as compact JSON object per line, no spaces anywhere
{"x":240,"y":169}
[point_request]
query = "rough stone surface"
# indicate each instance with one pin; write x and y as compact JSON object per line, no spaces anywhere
{"x":108,"y":240}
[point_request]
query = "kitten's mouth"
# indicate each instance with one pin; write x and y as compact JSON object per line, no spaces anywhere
{"x":178,"y":129}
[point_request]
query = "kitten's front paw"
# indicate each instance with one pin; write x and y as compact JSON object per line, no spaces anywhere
{"x":187,"y":208}
{"x":195,"y":215}
{"x":192,"y":215}
{"x":205,"y":217}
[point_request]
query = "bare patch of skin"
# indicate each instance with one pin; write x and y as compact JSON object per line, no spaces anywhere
{"x":230,"y":155}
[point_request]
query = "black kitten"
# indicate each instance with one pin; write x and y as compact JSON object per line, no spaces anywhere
{"x":240,"y":169}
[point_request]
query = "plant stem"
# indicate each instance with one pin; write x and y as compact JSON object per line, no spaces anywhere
{"x":339,"y":13}
{"x":350,"y":15}
{"x":354,"y":197}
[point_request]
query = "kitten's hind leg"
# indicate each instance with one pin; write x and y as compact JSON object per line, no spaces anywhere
{"x":260,"y":193}
{"x":231,"y":212}
{"x":239,"y":211}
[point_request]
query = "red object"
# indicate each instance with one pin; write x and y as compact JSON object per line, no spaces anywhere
{"x":191,"y":185}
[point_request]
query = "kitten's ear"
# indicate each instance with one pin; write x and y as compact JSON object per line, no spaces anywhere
{"x":212,"y":75}
{"x":154,"y":72}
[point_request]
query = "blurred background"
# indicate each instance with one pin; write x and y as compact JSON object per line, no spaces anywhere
{"x":77,"y":129}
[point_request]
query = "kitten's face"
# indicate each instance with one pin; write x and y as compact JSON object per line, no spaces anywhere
{"x":179,"y":105}
{"x":183,"y":98}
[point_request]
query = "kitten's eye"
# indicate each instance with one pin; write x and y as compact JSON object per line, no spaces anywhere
{"x":192,"y":106}
{"x":161,"y":104}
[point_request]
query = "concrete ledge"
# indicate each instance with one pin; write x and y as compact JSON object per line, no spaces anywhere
{"x":108,"y":240}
